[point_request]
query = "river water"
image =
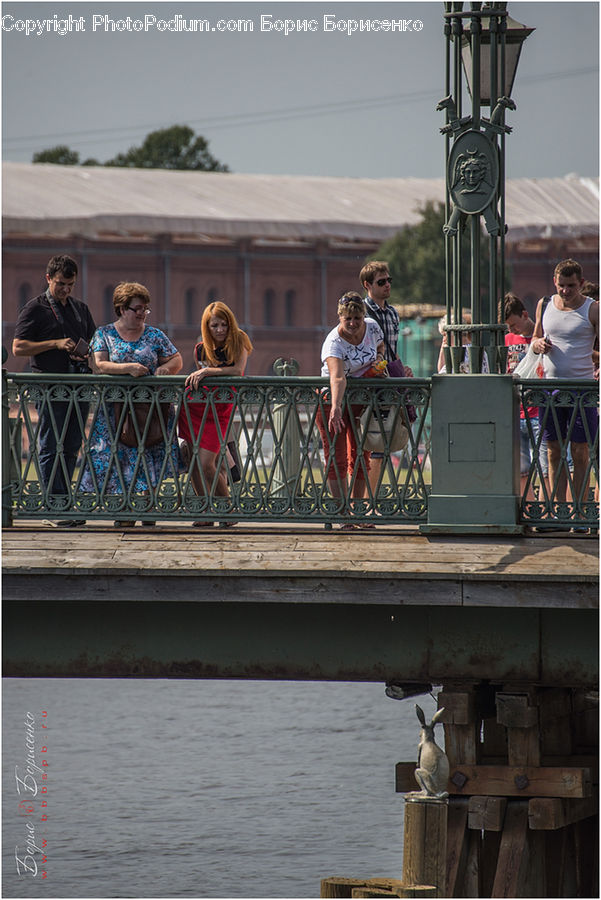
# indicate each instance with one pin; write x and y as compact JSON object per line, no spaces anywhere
{"x":200,"y":788}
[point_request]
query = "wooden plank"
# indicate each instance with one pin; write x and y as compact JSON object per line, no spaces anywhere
{"x":405,"y":777}
{"x":461,"y":744}
{"x":513,"y":853}
{"x":554,"y":703}
{"x":500,"y":781}
{"x":551,"y":813}
{"x":523,"y":746}
{"x":456,"y":845}
{"x":520,"y":781}
{"x":585,"y":721}
{"x":486,"y":813}
{"x":472,"y":882}
{"x":489,"y":855}
{"x":559,"y":862}
{"x":582,"y":760}
{"x":556,"y":736}
{"x":535,"y":879}
{"x":556,"y":710}
{"x":469,"y":559}
{"x":225,"y":586}
{"x":515,"y":710}
{"x":459,"y":707}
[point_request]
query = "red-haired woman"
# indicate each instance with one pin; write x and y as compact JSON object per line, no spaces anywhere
{"x":224,"y":350}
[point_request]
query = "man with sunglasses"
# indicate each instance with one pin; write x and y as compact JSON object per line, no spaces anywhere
{"x":376,"y":281}
{"x":54,"y":329}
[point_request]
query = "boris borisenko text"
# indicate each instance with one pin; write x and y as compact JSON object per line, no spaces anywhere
{"x":105,"y":24}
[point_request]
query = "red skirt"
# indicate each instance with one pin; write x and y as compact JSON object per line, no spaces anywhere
{"x":213,"y":434}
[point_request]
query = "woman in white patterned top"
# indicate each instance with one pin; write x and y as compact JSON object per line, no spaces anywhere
{"x":348,"y":351}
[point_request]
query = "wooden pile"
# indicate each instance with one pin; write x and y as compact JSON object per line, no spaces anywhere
{"x":522,"y":815}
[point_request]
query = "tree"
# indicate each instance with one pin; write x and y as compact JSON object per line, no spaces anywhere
{"x":168,"y":148}
{"x":60,"y":156}
{"x":416,"y":258}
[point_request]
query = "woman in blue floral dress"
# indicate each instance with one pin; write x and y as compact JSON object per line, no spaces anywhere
{"x":129,"y":347}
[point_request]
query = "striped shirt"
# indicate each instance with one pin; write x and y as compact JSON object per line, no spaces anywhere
{"x":388,"y":319}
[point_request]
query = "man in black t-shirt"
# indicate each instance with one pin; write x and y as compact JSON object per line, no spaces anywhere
{"x":48,"y":329}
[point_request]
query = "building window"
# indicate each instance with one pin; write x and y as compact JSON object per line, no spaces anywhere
{"x":24,"y":294}
{"x":108,"y":309}
{"x":268,"y":307}
{"x":190,"y":307}
{"x":289,"y":304}
{"x":212,"y":295}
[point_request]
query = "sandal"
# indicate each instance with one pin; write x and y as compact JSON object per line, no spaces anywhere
{"x":227,"y":524}
{"x":203,"y":524}
{"x":366,"y":525}
{"x":349,"y":527}
{"x":124,"y":523}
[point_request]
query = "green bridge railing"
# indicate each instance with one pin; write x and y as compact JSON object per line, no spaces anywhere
{"x":282,"y":461}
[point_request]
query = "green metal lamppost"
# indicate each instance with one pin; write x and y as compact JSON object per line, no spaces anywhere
{"x":475,"y":417}
{"x":483,"y":43}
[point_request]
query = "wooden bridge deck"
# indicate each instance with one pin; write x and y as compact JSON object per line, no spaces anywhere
{"x":306,"y":551}
{"x":299,"y":602}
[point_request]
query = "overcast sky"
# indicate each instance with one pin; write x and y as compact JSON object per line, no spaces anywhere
{"x":313,"y":103}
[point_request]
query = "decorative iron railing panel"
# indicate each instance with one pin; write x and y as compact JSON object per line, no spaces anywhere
{"x":288,"y":470}
{"x":272,"y":422}
{"x":561,"y":485}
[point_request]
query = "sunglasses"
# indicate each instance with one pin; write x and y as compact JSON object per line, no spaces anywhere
{"x":382,"y":281}
{"x":344,"y":301}
{"x":137,"y":309}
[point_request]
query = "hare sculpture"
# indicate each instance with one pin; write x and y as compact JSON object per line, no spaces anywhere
{"x":432,"y":773}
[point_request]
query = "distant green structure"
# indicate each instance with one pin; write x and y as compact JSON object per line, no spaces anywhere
{"x":419,"y":345}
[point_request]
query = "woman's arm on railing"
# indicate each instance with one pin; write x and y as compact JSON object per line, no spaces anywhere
{"x":104,"y":366}
{"x":170,"y":365}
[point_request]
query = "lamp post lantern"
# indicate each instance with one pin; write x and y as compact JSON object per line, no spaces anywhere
{"x":515,"y":35}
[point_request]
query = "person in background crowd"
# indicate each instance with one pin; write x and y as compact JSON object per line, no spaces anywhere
{"x":591,"y":289}
{"x":466,"y":340}
{"x":128,"y":346}
{"x":564,"y":335}
{"x":520,"y":330}
{"x":223,"y":350}
{"x":349,"y":351}
{"x":54,"y":330}
{"x":376,"y":281}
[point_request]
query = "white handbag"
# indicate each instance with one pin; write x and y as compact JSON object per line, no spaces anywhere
{"x":383,"y":429}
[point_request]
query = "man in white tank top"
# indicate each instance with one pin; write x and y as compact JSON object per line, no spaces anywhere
{"x":565,"y":332}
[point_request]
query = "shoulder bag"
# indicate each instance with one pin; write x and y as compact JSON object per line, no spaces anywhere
{"x":383,"y":429}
